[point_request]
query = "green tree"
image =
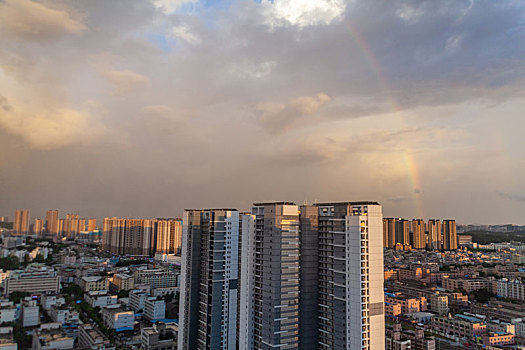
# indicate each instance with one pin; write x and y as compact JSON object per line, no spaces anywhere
{"x":482,"y":295}
{"x":17,"y":296}
{"x":9,"y":263}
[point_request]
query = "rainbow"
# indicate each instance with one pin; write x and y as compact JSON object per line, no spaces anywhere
{"x":410,"y":162}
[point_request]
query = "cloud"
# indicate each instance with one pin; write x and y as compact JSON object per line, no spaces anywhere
{"x":396,"y":199}
{"x":183,"y":32}
{"x":27,"y":19}
{"x":302,"y":13}
{"x":279,"y":117}
{"x":512,"y":196}
{"x":125,"y":81}
{"x":171,"y":6}
{"x":49,"y":128}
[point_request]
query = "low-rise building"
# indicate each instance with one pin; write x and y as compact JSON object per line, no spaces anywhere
{"x":468,"y":285}
{"x":49,"y":301}
{"x":7,"y":311}
{"x":154,"y":309}
{"x":7,"y":341}
{"x":33,"y":282}
{"x":92,"y":283}
{"x":89,"y":337}
{"x":439,"y":304}
{"x":51,"y":338}
{"x":511,"y":289}
{"x":408,"y":304}
{"x":160,"y":292}
{"x":137,"y":299}
{"x":159,"y":337}
{"x":68,"y":259}
{"x":459,"y":326}
{"x":116,"y":318}
{"x":392,"y":309}
{"x":123,"y":281}
{"x":64,"y":316}
{"x":519,"y":327}
{"x":100,"y":298}
{"x":30,"y":313}
{"x":501,"y":327}
{"x":497,"y":339}
{"x":156,"y":278}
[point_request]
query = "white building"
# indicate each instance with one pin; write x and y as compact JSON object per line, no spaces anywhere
{"x":154,"y":309}
{"x":137,"y":299}
{"x":51,"y":338}
{"x":63,"y":316}
{"x":511,"y":289}
{"x":100,"y":298}
{"x":30,"y":314}
{"x":6,"y":339}
{"x":519,"y":327}
{"x":91,"y":338}
{"x":116,"y":318}
{"x":7,"y":311}
{"x":32,"y":281}
{"x":50,"y":300}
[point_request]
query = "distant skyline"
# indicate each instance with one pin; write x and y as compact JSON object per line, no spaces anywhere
{"x":144,"y":108}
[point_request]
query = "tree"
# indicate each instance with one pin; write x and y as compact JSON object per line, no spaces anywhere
{"x":74,"y":290}
{"x":123,"y":294}
{"x":39,"y":259}
{"x":17,"y":296}
{"x":24,"y":340}
{"x":9,"y":263}
{"x":482,"y":295}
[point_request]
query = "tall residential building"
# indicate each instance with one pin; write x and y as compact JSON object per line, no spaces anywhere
{"x":434,"y":234}
{"x":107,"y":229}
{"x":276,"y":276}
{"x":309,"y":277}
{"x":418,"y":238}
{"x":52,"y":221}
{"x":128,"y":236}
{"x":91,"y":225}
{"x":73,"y":225}
{"x":389,"y":232}
{"x":209,"y":279}
{"x":38,"y":227}
{"x":403,"y":231}
{"x":61,"y":227}
{"x":450,"y":239}
{"x":351,"y":295}
{"x":168,"y":235}
{"x":21,"y":224}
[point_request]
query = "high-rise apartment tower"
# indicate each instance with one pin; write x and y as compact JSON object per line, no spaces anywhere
{"x":209,"y":280}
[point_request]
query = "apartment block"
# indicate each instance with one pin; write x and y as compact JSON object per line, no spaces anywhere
{"x":209,"y":279}
{"x":93,"y":283}
{"x":459,"y":326}
{"x":32,"y":282}
{"x":21,"y":224}
{"x":450,"y":239}
{"x":154,"y":309}
{"x":89,"y":337}
{"x":351,"y":277}
{"x":114,"y":317}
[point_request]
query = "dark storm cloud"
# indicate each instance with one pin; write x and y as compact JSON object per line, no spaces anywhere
{"x":144,"y":108}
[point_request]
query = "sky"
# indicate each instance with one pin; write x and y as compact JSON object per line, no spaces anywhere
{"x":144,"y":108}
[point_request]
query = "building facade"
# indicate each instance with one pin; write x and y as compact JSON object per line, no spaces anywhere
{"x":209,"y":279}
{"x":21,"y":224}
{"x":351,"y":299}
